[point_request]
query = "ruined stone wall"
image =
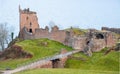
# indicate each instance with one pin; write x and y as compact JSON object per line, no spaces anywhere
{"x":79,"y":43}
{"x":62,"y":60}
{"x":26,"y":35}
{"x":101,"y":40}
{"x":110,"y":40}
{"x":58,"y":36}
{"x":98,"y":44}
{"x":41,"y":33}
{"x":116,"y":30}
{"x":56,"y":63}
{"x":106,"y":39}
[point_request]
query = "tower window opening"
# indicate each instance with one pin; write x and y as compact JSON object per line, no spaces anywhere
{"x":30,"y":30}
{"x":27,"y":17}
{"x":30,"y":24}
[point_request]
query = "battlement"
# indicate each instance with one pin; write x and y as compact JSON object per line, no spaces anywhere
{"x":26,"y":11}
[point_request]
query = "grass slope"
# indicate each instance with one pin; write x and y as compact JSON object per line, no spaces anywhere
{"x":38,"y":47}
{"x":98,"y":61}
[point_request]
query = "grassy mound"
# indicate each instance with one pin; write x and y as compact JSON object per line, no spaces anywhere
{"x":39,"y":48}
{"x":42,"y":47}
{"x":14,"y":52}
{"x":77,"y":31}
{"x":98,"y":61}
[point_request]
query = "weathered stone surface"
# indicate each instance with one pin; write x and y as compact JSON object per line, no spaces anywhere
{"x":79,"y":43}
{"x":98,"y":44}
{"x":116,"y":30}
{"x":47,"y":64}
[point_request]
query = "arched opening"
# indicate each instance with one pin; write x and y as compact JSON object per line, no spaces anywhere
{"x":55,"y":63}
{"x":30,"y":30}
{"x":27,"y":18}
{"x":88,"y":42}
{"x":99,"y":36}
{"x":30,"y":24}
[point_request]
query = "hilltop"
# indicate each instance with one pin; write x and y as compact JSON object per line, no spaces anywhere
{"x":38,"y":48}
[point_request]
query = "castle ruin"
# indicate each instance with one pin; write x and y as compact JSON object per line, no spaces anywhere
{"x":92,"y":40}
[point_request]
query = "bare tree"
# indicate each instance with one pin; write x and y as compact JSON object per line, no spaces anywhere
{"x":3,"y":35}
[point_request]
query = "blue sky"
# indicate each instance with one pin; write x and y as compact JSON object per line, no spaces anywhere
{"x":65,"y":13}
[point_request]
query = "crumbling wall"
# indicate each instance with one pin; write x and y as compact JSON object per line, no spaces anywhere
{"x":110,"y":40}
{"x":41,"y":33}
{"x":116,"y":30}
{"x":26,"y":35}
{"x":58,"y":36}
{"x":98,"y":44}
{"x":56,"y":63}
{"x":79,"y":43}
{"x":60,"y":62}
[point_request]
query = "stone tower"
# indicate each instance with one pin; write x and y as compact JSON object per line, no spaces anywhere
{"x":28,"y":20}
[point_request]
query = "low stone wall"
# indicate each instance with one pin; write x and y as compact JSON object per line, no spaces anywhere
{"x":56,"y":63}
{"x":116,"y":30}
{"x":48,"y":64}
{"x":110,"y":40}
{"x":58,"y":35}
{"x":98,"y":44}
{"x":79,"y":43}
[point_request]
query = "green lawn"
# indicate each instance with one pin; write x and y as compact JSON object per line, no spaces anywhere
{"x":66,"y":71}
{"x":98,"y":61}
{"x":39,"y":48}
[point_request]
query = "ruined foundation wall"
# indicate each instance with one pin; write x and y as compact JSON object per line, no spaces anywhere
{"x":41,"y":33}
{"x":116,"y":30}
{"x":110,"y":40}
{"x":58,"y":36}
{"x":79,"y":43}
{"x":98,"y":44}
